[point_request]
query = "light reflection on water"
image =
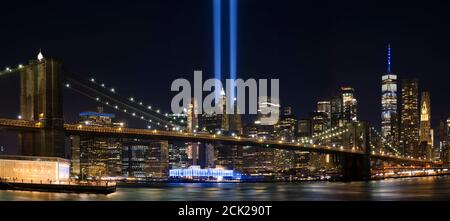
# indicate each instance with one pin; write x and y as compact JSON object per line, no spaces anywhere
{"x":422,"y":188}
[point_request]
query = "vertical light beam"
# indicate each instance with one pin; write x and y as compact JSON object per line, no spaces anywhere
{"x":233,"y":44}
{"x":389,"y":59}
{"x":217,"y":44}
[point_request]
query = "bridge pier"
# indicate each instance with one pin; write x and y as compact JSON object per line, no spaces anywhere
{"x":41,"y":100}
{"x":355,"y":167}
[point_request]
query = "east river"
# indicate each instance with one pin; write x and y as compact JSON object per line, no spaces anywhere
{"x":418,"y":188}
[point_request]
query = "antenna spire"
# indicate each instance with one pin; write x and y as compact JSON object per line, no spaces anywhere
{"x":40,"y":56}
{"x":389,"y":59}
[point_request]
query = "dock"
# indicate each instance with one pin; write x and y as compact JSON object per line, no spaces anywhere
{"x":67,"y":187}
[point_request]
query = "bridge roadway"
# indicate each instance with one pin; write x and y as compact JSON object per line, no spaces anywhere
{"x":79,"y":129}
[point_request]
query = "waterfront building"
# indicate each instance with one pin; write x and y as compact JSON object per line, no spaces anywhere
{"x":207,"y":156}
{"x":197,"y":173}
{"x":94,"y":156}
{"x":146,"y":159}
{"x":258,"y":162}
{"x":178,"y":156}
{"x":32,"y":169}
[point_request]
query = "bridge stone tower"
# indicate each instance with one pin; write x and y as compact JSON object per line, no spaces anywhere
{"x":41,"y":101}
{"x":357,"y":167}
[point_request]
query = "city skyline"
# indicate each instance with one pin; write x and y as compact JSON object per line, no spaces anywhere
{"x":408,"y":52}
{"x":224,"y":100}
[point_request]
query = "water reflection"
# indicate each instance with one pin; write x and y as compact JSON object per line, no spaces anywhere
{"x":423,"y":188}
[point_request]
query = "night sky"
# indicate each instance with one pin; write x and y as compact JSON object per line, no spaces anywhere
{"x":139,"y":48}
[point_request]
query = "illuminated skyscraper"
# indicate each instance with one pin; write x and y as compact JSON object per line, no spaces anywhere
{"x":192,"y":116}
{"x":285,"y":130}
{"x":349,"y":104}
{"x":409,"y":135}
{"x":426,"y":139}
{"x":96,"y":156}
{"x":389,"y":112}
{"x":444,"y":139}
{"x":343,"y":107}
{"x":178,"y":155}
{"x":324,"y":106}
{"x":146,"y":159}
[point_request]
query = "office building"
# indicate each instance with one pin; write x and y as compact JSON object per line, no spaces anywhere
{"x":425,"y":133}
{"x":343,"y":107}
{"x":409,"y":125}
{"x":444,"y":139}
{"x":94,"y":156}
{"x":146,"y":159}
{"x":389,"y":110}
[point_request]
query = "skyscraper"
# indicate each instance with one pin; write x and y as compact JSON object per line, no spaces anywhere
{"x":349,"y":104}
{"x":343,"y":107}
{"x":324,"y":106}
{"x":426,"y":141}
{"x":96,"y":156}
{"x":409,"y":135}
{"x":444,"y":139}
{"x":192,"y":116}
{"x":146,"y":159}
{"x":285,"y":130}
{"x":389,"y":112}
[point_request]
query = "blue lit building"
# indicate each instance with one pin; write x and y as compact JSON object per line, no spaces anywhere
{"x":389,"y":113}
{"x":196,"y":173}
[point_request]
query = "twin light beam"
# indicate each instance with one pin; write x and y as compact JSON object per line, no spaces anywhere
{"x":217,"y":22}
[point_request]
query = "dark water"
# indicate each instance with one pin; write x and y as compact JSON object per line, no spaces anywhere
{"x":421,"y":188}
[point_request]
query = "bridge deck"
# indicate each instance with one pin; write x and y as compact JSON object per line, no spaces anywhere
{"x":201,"y":137}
